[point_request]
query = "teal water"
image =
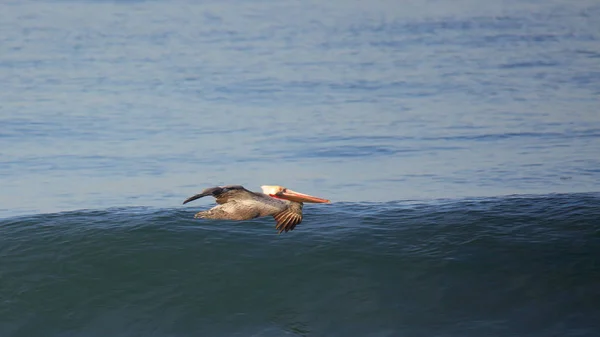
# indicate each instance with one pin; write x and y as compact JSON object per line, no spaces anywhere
{"x":458,"y":141}
{"x":525,"y":266}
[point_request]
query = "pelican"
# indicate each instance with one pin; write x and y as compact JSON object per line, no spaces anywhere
{"x":237,"y":203}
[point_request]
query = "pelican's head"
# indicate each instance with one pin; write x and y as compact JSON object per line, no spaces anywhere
{"x":281,"y":192}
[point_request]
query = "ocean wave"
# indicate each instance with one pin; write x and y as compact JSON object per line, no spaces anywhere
{"x":512,"y":265}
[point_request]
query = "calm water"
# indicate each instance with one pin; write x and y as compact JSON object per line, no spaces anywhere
{"x":417,"y":118}
{"x":142,"y":103}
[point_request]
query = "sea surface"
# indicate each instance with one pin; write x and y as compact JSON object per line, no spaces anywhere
{"x":459,"y":142}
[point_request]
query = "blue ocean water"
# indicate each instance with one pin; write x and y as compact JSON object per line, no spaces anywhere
{"x":127,"y":103}
{"x":458,"y":141}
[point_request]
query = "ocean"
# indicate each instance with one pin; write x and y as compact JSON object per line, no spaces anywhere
{"x":458,"y":141}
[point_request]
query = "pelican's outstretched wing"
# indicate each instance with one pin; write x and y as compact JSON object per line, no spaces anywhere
{"x":288,"y":218}
{"x":223,"y":193}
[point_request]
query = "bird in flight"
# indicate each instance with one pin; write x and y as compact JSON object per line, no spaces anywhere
{"x":237,"y":203}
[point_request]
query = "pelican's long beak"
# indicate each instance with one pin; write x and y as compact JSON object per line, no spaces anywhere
{"x":301,"y":197}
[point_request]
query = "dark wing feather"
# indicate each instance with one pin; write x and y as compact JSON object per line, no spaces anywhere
{"x":287,"y":220}
{"x":223,"y":193}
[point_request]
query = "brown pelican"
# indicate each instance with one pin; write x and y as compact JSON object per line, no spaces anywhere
{"x":237,"y":203}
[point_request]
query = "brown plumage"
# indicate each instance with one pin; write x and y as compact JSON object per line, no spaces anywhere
{"x":237,"y":203}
